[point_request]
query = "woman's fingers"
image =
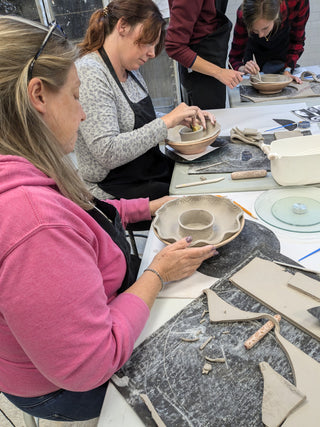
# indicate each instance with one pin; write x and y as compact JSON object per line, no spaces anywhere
{"x":251,"y":67}
{"x":178,"y":260}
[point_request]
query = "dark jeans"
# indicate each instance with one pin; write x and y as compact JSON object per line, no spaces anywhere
{"x":63,"y":405}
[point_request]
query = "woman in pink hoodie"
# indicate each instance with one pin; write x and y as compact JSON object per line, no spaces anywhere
{"x":70,"y":305}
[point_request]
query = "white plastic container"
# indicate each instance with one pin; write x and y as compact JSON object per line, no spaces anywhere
{"x":295,"y":161}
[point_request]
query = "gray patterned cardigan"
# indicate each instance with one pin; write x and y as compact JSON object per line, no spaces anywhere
{"x":106,"y":138}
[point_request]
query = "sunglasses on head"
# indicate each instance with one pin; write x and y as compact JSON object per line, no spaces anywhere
{"x":52,"y":27}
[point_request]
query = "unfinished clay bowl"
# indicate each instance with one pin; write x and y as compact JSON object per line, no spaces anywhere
{"x":227,"y":225}
{"x":197,"y":223}
{"x":187,"y":134}
{"x":270,"y":83}
{"x":199,"y":145}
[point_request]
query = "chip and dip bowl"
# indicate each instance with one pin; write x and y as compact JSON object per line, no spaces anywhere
{"x":210,"y":220}
{"x":186,"y":141}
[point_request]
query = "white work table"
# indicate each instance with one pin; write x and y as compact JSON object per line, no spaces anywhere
{"x":259,"y":117}
{"x":116,"y":412}
{"x":235,"y":100}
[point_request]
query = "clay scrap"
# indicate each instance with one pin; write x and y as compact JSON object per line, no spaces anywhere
{"x":268,"y":283}
{"x":306,"y":370}
{"x":306,"y":285}
{"x":152,"y":410}
{"x":280,"y":397}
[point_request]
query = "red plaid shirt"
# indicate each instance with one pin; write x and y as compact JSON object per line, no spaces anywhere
{"x":298,"y":13}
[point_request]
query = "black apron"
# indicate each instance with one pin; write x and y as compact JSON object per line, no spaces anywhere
{"x":113,"y":226}
{"x":148,"y":175}
{"x":270,"y":55}
{"x":204,"y":91}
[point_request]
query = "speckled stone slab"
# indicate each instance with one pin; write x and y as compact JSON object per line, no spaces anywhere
{"x":169,"y":370}
{"x":253,"y":236}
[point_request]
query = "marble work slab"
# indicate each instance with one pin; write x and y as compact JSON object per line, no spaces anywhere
{"x":169,"y":370}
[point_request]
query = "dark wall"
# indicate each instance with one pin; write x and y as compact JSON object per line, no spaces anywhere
{"x":73,"y":16}
{"x":25,"y":8}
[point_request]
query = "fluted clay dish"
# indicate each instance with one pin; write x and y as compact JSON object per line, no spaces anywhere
{"x":228,"y":219}
{"x":270,"y":83}
{"x":196,"y":146}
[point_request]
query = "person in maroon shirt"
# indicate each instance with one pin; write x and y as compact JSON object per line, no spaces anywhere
{"x":269,"y":36}
{"x":197,"y":37}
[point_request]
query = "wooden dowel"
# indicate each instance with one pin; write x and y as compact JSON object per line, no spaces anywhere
{"x":259,"y":173}
{"x":257,"y":336}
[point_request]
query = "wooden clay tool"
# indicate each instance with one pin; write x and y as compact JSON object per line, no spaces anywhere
{"x":254,"y":59}
{"x":259,"y":173}
{"x":257,"y":336}
{"x":205,"y":181}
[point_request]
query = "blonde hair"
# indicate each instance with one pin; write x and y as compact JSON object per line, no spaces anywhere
{"x":22,"y":131}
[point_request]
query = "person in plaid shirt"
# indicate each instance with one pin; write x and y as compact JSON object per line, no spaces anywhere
{"x":269,"y":36}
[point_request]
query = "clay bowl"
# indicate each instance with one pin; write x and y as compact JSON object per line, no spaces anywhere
{"x":187,"y":134}
{"x":270,"y":83}
{"x":196,"y":146}
{"x":228,"y":219}
{"x":197,"y":223}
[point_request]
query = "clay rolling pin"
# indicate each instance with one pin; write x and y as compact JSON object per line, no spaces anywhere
{"x":259,"y":173}
{"x":257,"y":336}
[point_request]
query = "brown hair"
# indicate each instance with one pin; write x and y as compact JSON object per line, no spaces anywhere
{"x":256,"y":9}
{"x":103,"y":22}
{"x":22,"y":129}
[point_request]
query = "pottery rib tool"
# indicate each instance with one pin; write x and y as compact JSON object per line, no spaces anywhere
{"x":257,"y":336}
{"x":298,"y":267}
{"x":207,"y":181}
{"x":258,"y":173}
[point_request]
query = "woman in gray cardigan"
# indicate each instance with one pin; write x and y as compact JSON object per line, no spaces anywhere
{"x":118,"y":146}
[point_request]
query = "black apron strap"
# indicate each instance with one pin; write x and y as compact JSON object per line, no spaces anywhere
{"x":107,"y":61}
{"x":204,"y":91}
{"x":108,"y":218}
{"x":148,"y":175}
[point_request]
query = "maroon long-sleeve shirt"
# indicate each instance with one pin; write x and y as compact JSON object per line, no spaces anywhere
{"x":190,"y":21}
{"x":298,"y":13}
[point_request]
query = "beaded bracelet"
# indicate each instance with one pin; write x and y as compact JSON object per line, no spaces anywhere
{"x":157,"y":274}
